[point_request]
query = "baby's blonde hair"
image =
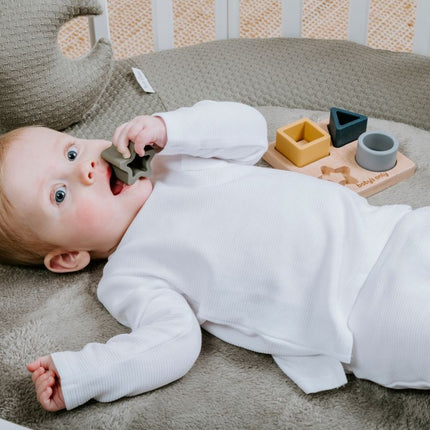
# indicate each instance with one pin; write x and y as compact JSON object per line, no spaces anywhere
{"x":18,"y":243}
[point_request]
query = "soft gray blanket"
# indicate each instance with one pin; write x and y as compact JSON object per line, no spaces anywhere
{"x":228,"y":388}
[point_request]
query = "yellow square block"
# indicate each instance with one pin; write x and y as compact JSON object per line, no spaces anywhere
{"x":303,"y":142}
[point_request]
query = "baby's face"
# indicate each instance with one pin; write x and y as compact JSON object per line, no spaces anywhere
{"x":61,"y":188}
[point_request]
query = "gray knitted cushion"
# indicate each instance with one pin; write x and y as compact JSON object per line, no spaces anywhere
{"x":38,"y":85}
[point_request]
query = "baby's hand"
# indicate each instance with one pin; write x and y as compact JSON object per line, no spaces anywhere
{"x":142,"y":130}
{"x":47,"y":383}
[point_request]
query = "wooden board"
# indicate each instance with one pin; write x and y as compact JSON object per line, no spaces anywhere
{"x":340,"y":166}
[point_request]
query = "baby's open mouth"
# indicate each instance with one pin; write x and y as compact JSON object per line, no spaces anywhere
{"x":116,"y":185}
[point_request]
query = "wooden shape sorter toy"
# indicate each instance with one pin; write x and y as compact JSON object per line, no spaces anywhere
{"x":340,"y":166}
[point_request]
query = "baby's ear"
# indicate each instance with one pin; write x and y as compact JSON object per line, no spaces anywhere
{"x":66,"y":261}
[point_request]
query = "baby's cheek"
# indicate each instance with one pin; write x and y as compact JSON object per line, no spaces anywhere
{"x":89,"y":216}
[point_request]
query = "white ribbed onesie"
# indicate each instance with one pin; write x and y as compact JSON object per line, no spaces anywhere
{"x":265,"y":259}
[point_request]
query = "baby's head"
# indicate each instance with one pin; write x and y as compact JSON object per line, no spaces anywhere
{"x":17,"y":243}
{"x":57,"y":205}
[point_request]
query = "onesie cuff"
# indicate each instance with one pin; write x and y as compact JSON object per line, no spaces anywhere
{"x":77,"y":383}
{"x":69,"y":380}
{"x":313,"y":373}
{"x":176,"y":131}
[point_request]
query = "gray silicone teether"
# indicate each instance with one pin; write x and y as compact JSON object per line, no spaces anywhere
{"x":129,"y":170}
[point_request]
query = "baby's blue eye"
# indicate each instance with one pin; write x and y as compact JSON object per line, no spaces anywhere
{"x":72,"y":153}
{"x":60,"y":194}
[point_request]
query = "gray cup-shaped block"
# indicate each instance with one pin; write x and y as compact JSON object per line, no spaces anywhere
{"x":377,"y":151}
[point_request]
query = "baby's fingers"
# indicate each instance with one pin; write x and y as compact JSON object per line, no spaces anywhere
{"x":143,"y":139}
{"x":45,"y":362}
{"x":140,"y":134}
{"x":153,"y":133}
{"x":37,"y":373}
{"x":45,"y":381}
{"x":120,"y":139}
{"x":45,"y":397}
{"x":31,"y":367}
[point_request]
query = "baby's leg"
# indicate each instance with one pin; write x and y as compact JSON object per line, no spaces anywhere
{"x":390,"y":320}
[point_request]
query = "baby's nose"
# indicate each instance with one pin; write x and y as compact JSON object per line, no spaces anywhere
{"x":87,"y":172}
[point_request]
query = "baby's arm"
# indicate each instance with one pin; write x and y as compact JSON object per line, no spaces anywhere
{"x":47,"y":383}
{"x":225,"y":130}
{"x":228,"y":131}
{"x":162,"y":346}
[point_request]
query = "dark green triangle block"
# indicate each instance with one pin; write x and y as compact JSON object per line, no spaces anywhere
{"x":345,"y":126}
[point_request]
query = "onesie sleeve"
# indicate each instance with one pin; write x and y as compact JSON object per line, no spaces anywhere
{"x":163,"y":344}
{"x":225,"y":130}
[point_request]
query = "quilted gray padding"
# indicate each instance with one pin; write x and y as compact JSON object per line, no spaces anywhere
{"x":296,"y":73}
{"x":121,"y":101}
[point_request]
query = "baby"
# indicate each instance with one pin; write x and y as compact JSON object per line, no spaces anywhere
{"x":273,"y":261}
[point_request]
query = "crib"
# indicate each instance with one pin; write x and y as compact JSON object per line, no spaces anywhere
{"x":227,"y":22}
{"x":288,"y":75}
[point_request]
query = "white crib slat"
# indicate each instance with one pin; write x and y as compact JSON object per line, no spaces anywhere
{"x":162,"y":24}
{"x":221,"y":19}
{"x":291,"y":18}
{"x":233,"y":19}
{"x":99,"y":25}
{"x":358,"y":20}
{"x":421,"y":43}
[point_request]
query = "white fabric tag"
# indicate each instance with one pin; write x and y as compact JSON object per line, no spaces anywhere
{"x":141,"y":79}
